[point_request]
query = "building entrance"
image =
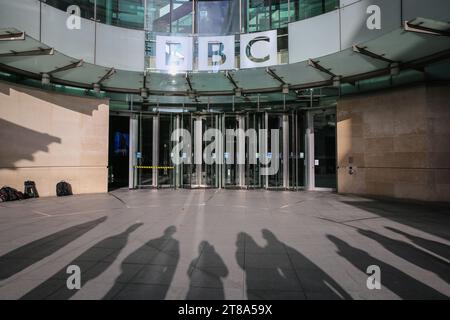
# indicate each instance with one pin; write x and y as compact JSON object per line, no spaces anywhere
{"x":196,"y":173}
{"x":270,"y":150}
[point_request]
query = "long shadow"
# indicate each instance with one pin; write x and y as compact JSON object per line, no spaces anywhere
{"x":308,"y":270}
{"x":403,"y":285}
{"x":147,"y":273}
{"x":436,"y":247}
{"x":206,"y":281}
{"x":25,"y":256}
{"x":410,"y":253}
{"x":430,"y":218}
{"x":285,"y":271}
{"x":93,"y":262}
{"x":31,"y":142}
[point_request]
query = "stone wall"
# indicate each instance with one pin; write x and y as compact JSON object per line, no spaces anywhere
{"x":397,"y":142}
{"x":48,"y":137}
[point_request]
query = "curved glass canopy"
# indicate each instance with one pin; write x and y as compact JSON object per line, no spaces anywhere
{"x":418,"y":43}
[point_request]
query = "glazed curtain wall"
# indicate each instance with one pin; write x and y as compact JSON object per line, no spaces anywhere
{"x":198,"y":16}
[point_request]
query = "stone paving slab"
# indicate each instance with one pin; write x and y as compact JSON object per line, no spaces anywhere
{"x":223,"y":244}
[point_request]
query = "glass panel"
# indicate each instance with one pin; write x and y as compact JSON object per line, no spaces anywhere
{"x":86,"y":6}
{"x":280,"y":13}
{"x":166,"y":169}
{"x":158,"y":15}
{"x":296,"y":150}
{"x":123,"y":13}
{"x":252,"y":174}
{"x":231,"y":177}
{"x":119,"y":135}
{"x":217,"y":17}
{"x":186,"y":123}
{"x":258,"y":15}
{"x":145,"y":150}
{"x":310,"y":8}
{"x":274,"y":122}
{"x":303,"y":9}
{"x":208,"y":170}
{"x":201,"y":174}
{"x":331,"y":5}
{"x":181,"y":16}
{"x":325,"y":150}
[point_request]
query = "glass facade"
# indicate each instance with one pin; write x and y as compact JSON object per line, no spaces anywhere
{"x":200,"y":17}
{"x":213,"y":17}
{"x":158,"y":16}
{"x":217,"y":17}
{"x":261,"y":15}
{"x":87,"y":7}
{"x":181,"y":16}
{"x":122,"y":13}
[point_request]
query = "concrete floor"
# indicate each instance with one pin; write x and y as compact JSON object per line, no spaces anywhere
{"x":216,"y":244}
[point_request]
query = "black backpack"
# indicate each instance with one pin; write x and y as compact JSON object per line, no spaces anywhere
{"x":10,"y":194}
{"x":30,"y":190}
{"x":63,"y":189}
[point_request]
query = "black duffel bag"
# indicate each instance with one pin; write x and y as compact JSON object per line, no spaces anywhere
{"x":10,"y":194}
{"x":63,"y":189}
{"x":30,"y":190}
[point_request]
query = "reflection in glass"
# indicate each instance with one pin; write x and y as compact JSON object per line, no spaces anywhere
{"x":211,"y":16}
{"x":158,"y":15}
{"x":181,"y":16}
{"x":145,"y":151}
{"x":87,"y":7}
{"x":257,"y":15}
{"x":166,"y":173}
{"x":217,"y":17}
{"x":124,"y":13}
{"x":325,"y":150}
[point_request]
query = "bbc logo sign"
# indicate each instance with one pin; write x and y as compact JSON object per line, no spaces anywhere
{"x":175,"y":53}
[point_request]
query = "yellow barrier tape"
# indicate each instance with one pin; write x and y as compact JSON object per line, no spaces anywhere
{"x":153,"y":167}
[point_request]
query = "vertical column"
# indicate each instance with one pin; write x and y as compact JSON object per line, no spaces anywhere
{"x":241,"y":151}
{"x":285,"y":151}
{"x":132,"y":173}
{"x":265,"y":144}
{"x":309,"y":145}
{"x":198,"y":150}
{"x":155,"y":150}
{"x":216,"y":125}
{"x":108,"y":11}
{"x":220,"y":152}
{"x":178,"y":168}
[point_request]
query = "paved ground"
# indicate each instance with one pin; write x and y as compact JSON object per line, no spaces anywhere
{"x":215,"y":244}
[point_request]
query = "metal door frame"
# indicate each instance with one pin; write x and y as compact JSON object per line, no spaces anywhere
{"x":240,"y":176}
{"x":285,"y":151}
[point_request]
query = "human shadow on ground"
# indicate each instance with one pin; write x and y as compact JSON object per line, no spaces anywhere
{"x":436,"y":247}
{"x":92,"y":263}
{"x":205,"y":273}
{"x":430,"y":218}
{"x":403,"y":285}
{"x":27,"y":255}
{"x":412,"y":254}
{"x":146,"y":273}
{"x":278,"y":271}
